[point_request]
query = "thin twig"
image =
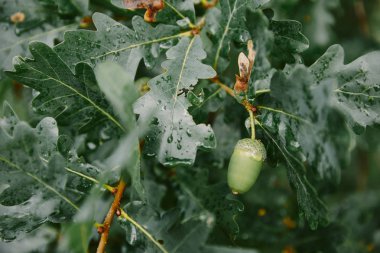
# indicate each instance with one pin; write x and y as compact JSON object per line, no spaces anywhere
{"x":109,"y":217}
{"x":224,"y":87}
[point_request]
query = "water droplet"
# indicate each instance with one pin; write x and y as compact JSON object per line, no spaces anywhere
{"x":91,"y":145}
{"x":170,"y":139}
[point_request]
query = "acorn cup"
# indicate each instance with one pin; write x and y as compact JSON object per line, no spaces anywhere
{"x":245,"y":165}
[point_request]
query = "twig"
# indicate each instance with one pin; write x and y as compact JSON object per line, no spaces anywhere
{"x":109,"y":217}
{"x":223,"y":86}
{"x":114,"y":190}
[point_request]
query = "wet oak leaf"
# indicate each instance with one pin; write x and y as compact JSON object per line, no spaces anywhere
{"x":174,"y":136}
{"x":113,"y":41}
{"x":196,"y":195}
{"x":298,"y":121}
{"x":35,"y":186}
{"x":358,"y":91}
{"x":187,"y":237}
{"x":74,"y":100}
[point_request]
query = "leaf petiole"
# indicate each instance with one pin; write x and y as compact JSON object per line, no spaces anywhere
{"x":191,"y":25}
{"x":143,"y":230}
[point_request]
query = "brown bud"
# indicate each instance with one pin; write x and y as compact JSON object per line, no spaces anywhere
{"x":241,"y":85}
{"x":100,"y":229}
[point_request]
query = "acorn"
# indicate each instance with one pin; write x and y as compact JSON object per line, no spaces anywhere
{"x":245,"y":165}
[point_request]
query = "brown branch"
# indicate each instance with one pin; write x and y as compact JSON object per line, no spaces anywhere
{"x":223,"y":86}
{"x":109,"y":217}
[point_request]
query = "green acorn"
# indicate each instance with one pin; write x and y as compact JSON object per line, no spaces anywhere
{"x":245,"y":165}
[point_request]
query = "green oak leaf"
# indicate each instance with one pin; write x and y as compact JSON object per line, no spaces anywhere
{"x":41,"y":23}
{"x":35,"y":187}
{"x":297,"y":120}
{"x":174,"y":136}
{"x":197,"y":196}
{"x":310,"y":205}
{"x":175,"y":236}
{"x":225,"y":25}
{"x":113,"y":41}
{"x":73,"y":100}
{"x":302,"y":119}
{"x":312,"y":116}
{"x":358,"y":91}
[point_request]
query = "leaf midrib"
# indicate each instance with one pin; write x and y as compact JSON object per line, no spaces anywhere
{"x":132,"y":46}
{"x":180,"y":76}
